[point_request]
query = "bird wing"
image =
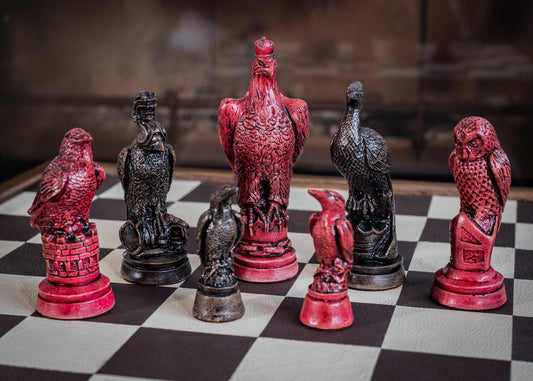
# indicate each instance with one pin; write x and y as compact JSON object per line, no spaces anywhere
{"x":452,"y":160}
{"x":240,"y":226}
{"x":229,"y":113}
{"x":501,"y":172}
{"x":344,"y":238}
{"x":201,"y":233}
{"x":299,"y":114}
{"x":123,"y":164}
{"x":313,"y":220}
{"x":99,"y":174}
{"x":171,"y":162}
{"x":52,"y":184}
{"x":377,"y":151}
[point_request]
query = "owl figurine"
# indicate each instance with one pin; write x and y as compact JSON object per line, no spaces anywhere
{"x":482,"y":173}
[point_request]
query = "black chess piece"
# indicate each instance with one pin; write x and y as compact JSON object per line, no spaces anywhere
{"x":155,"y":240}
{"x":362,"y":156}
{"x":219,"y":229}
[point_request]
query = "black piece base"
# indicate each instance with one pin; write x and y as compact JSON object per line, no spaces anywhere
{"x":375,"y":276}
{"x":218,"y":304}
{"x":156,"y":270}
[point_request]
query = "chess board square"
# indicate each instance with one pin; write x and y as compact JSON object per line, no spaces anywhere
{"x":108,"y":183}
{"x":181,"y":188}
{"x":412,"y":205}
{"x":20,"y":373}
{"x":200,"y":193}
{"x":510,"y":211}
{"x":522,"y":338}
{"x":176,"y":314}
{"x":436,"y":230}
{"x":505,"y":236}
{"x":525,"y":212}
{"x":19,"y":294}
{"x":425,"y":366}
{"x":524,"y":236}
{"x":321,"y":360}
{"x":430,"y":256}
{"x":406,"y":250}
{"x":521,"y":370}
{"x":523,"y":264}
{"x":158,"y":353}
{"x":409,"y":228}
{"x":9,"y":321}
{"x":523,"y":298}
{"x":188,"y":211}
{"x":450,"y":332}
{"x":16,"y":228}
{"x":18,"y":205}
{"x":108,"y":209}
{"x":443,"y":207}
{"x":303,"y":244}
{"x":7,"y":247}
{"x":113,"y":191}
{"x":369,"y":327}
{"x":108,"y":232}
{"x":71,"y":346}
{"x":27,"y":259}
{"x":299,"y":221}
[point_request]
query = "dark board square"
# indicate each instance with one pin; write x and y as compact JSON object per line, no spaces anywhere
{"x":408,"y":366}
{"x":525,"y":212}
{"x":9,"y":321}
{"x":201,"y":193}
{"x":523,"y":264}
{"x":134,"y":304}
{"x":173,"y":355}
{"x":191,"y":241}
{"x":193,"y":279}
{"x":16,"y":228}
{"x":299,"y":221}
{"x":24,"y":260}
{"x":18,"y":373}
{"x":370,"y":325}
{"x":274,"y":288}
{"x":505,"y":236}
{"x":436,"y":230}
{"x":108,"y":209}
{"x":412,"y":205}
{"x":522,"y":338}
{"x":108,"y":183}
{"x":406,"y":250}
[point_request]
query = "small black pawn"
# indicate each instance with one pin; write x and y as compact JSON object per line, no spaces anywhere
{"x":362,"y":156}
{"x":155,"y":240}
{"x":219,"y":229}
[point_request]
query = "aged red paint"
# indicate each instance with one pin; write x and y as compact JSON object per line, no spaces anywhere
{"x":263,"y":134}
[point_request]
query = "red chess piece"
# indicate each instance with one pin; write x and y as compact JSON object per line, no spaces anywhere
{"x":482,"y":173}
{"x":326,"y":305}
{"x":74,"y":287}
{"x":263,"y":135}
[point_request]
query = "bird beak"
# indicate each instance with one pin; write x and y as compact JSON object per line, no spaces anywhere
{"x":318,"y":194}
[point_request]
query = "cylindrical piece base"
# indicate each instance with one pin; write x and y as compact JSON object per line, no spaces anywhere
{"x":156,"y":270}
{"x":327,"y":311}
{"x":218,"y":304}
{"x":374,"y":276}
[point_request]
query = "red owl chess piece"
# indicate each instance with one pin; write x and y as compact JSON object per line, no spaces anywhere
{"x":263,"y":135}
{"x":326,"y":305}
{"x":482,"y":174}
{"x":74,"y":287}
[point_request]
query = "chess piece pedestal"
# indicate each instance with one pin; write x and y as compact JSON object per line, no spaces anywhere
{"x":74,"y":287}
{"x":265,"y":257}
{"x":218,"y":304}
{"x":327,"y":311}
{"x":376,"y":276}
{"x":469,"y":282}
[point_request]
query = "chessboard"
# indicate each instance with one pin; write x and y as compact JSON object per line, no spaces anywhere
{"x":399,"y":334}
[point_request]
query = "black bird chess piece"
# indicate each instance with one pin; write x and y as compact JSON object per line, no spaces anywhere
{"x":362,"y":156}
{"x":155,"y":240}
{"x":219,"y":229}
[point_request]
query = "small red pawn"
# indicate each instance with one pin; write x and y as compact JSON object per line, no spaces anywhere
{"x":482,"y":173}
{"x":326,"y":305}
{"x":74,"y":287}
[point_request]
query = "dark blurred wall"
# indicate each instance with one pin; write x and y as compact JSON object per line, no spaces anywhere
{"x":424,"y":66}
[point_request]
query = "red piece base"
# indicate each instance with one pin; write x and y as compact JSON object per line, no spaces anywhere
{"x":469,"y":290}
{"x":75,"y":302}
{"x":327,"y":311}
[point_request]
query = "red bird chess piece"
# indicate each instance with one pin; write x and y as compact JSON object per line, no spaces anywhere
{"x":326,"y":305}
{"x":482,"y":174}
{"x":74,"y":287}
{"x":263,"y":134}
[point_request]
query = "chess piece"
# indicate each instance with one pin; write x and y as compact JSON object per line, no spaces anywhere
{"x":219,"y":229}
{"x":74,"y":287}
{"x":361,"y":155}
{"x":154,"y":239}
{"x":482,"y":173}
{"x":326,"y":305}
{"x":263,"y":135}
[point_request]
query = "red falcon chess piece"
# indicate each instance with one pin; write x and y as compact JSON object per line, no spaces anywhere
{"x":74,"y":287}
{"x":326,"y":305}
{"x":482,"y":174}
{"x":263,"y":135}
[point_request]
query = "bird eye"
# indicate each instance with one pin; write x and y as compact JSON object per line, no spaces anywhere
{"x":474,"y":143}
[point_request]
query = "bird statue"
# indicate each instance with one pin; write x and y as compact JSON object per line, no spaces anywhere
{"x":362,"y":157}
{"x":482,"y":174}
{"x":326,"y":305}
{"x":67,"y":187}
{"x":218,"y":230}
{"x":145,"y":169}
{"x":263,"y":134}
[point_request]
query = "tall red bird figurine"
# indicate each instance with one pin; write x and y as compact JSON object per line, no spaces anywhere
{"x":68,"y":186}
{"x":326,"y":306}
{"x":263,"y":134}
{"x":482,"y":174}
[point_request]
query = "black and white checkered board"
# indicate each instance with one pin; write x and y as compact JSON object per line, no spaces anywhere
{"x":399,"y":334}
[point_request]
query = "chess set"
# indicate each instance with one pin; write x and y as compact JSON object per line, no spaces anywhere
{"x":146,"y":276}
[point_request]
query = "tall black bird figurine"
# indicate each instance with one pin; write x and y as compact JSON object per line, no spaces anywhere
{"x":217,"y":232}
{"x":154,"y":239}
{"x":361,"y":155}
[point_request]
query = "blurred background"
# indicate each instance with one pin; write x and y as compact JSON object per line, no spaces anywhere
{"x":424,"y":64}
